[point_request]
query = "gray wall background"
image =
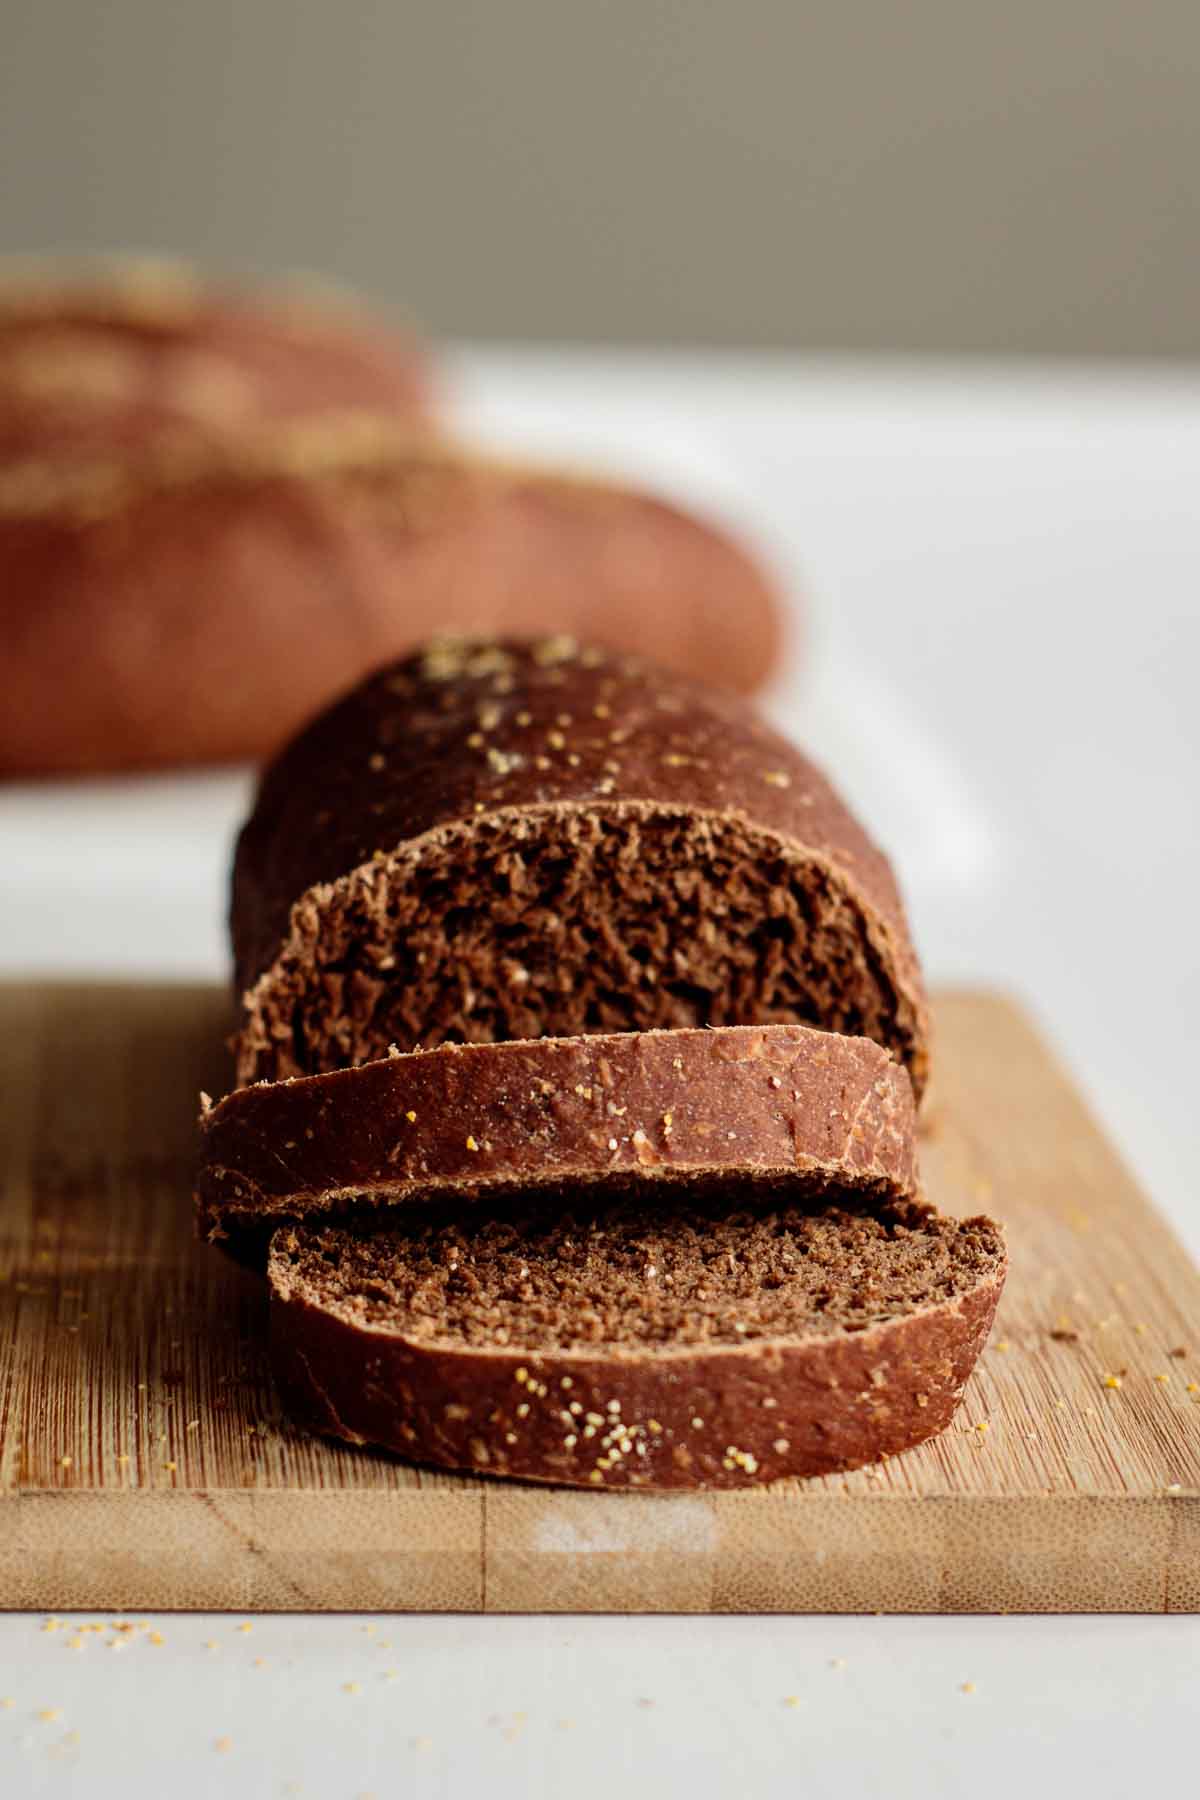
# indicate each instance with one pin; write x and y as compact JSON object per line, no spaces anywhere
{"x":924,"y":174}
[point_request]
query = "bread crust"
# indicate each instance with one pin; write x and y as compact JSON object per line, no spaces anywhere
{"x":705,"y":1418}
{"x":475,"y":1123}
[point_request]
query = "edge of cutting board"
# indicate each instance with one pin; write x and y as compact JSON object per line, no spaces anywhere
{"x":144,"y":1463}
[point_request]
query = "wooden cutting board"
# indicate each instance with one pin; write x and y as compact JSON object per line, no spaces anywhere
{"x":144,"y":1462}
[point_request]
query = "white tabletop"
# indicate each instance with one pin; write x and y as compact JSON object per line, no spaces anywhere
{"x":999,"y":655}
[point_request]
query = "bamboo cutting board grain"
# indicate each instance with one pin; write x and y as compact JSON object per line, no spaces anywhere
{"x":143,"y":1461}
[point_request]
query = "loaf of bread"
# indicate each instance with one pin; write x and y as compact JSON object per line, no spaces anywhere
{"x":580,"y":1031}
{"x":217,"y":513}
{"x":123,"y":361}
{"x":673,"y":1110}
{"x":500,"y":839}
{"x":200,"y":608}
{"x":697,"y":1345}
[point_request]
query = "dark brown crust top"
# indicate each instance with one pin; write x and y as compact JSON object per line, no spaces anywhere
{"x":226,"y":592}
{"x":474,"y":1121}
{"x":477,"y":731}
{"x":716,"y":1418}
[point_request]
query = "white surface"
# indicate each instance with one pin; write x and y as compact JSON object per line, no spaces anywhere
{"x":1001,"y":570}
{"x":475,"y":1709}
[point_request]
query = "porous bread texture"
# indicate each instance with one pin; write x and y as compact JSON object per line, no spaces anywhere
{"x":520,"y":839}
{"x":711,"y":1269}
{"x":554,"y":921}
{"x":701,"y":1347}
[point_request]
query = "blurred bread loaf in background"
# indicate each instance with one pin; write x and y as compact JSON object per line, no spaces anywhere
{"x":128,"y":359}
{"x":217,"y":512}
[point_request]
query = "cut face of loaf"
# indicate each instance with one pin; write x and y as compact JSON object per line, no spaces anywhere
{"x":662,"y":1111}
{"x":526,"y":839}
{"x":701,"y":1345}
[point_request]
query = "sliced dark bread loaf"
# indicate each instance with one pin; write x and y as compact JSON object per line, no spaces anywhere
{"x":522,"y":839}
{"x":697,"y":1346}
{"x":671,"y":1110}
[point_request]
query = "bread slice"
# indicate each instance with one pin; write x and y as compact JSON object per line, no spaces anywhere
{"x":704,"y":1344}
{"x":485,"y":1121}
{"x":662,"y":1259}
{"x":508,"y":839}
